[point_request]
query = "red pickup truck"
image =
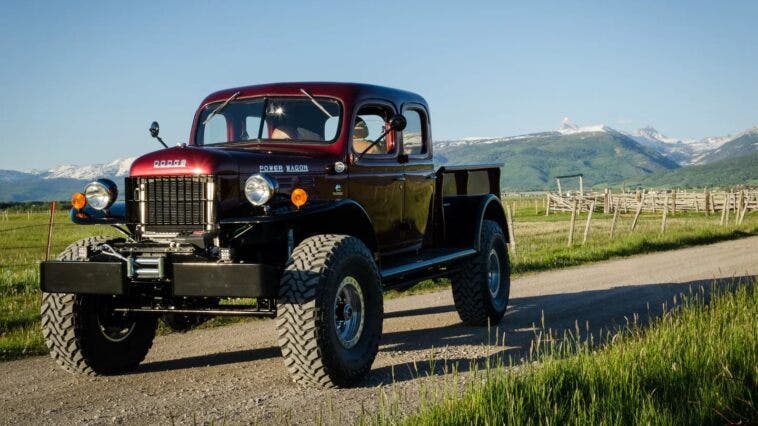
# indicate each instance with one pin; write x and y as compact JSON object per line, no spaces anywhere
{"x":304,"y":200}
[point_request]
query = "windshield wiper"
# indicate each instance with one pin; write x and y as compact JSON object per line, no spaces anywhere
{"x":315,"y":102}
{"x":219,"y":108}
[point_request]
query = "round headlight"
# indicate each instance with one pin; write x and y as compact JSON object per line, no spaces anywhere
{"x":101,"y":194}
{"x":259,"y":189}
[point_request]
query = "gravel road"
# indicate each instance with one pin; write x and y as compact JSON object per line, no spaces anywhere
{"x":235,"y":373}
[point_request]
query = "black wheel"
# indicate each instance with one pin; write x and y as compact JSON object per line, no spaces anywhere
{"x":86,"y":336}
{"x":330,"y":311}
{"x":482,"y":287}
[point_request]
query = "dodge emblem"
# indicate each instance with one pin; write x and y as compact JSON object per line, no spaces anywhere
{"x":164,"y":164}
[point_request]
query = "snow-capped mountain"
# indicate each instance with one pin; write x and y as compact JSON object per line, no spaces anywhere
{"x":688,"y":151}
{"x":116,"y":168}
{"x":681,"y":151}
{"x":569,"y":128}
{"x":59,"y":182}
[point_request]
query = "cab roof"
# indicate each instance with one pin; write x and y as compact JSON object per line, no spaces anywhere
{"x":348,"y":92}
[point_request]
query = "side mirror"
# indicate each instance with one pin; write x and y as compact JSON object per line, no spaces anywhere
{"x":398,"y":122}
{"x":154,"y":129}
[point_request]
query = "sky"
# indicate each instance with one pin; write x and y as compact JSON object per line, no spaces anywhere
{"x":81,"y":82}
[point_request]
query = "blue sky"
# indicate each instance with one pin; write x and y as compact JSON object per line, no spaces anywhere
{"x":80,"y":82}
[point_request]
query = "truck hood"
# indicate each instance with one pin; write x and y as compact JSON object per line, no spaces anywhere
{"x":188,"y":160}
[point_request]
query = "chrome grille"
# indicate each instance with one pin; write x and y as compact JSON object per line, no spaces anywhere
{"x":168,"y":203}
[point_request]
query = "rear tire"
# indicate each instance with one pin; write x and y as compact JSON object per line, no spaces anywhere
{"x":83,"y":333}
{"x":481,"y":288}
{"x":330,"y":311}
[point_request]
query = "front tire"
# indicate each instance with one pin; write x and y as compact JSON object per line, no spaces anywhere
{"x":330,"y":311}
{"x":83,"y":333}
{"x":481,"y":288}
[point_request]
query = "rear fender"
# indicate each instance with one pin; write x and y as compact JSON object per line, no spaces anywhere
{"x":465,"y":214}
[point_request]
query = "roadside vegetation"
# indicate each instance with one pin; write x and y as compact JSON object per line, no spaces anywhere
{"x":696,"y":364}
{"x":540,"y":245}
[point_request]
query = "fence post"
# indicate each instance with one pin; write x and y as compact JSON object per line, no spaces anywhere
{"x":637,"y":213}
{"x":573,"y":220}
{"x":723,"y":210}
{"x":615,"y":219}
{"x":511,"y":236}
{"x":673,"y":203}
{"x":50,"y":230}
{"x":665,"y":215}
{"x":589,"y":221}
{"x":547,"y":204}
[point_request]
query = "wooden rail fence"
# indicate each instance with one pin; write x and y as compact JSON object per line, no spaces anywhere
{"x":738,"y":201}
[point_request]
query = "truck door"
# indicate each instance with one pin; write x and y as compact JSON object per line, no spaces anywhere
{"x":415,"y":143}
{"x":376,"y":178}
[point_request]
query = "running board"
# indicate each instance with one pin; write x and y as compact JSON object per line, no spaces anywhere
{"x":425,"y":263}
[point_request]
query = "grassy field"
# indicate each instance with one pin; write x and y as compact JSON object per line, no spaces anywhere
{"x":697,"y":364}
{"x":540,"y":245}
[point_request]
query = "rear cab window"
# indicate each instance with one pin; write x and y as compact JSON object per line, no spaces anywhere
{"x":415,"y":135}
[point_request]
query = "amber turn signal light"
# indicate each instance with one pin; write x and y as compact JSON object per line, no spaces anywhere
{"x":299,"y":197}
{"x":78,"y":200}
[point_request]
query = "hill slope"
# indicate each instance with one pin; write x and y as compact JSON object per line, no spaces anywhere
{"x":532,"y":161}
{"x":743,"y":144}
{"x":729,"y":172}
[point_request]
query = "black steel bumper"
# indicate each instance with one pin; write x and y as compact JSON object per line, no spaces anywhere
{"x":184,"y":279}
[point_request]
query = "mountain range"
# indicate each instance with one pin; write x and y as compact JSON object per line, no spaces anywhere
{"x":602,"y":154}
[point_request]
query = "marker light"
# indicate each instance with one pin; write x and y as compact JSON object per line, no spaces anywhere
{"x":78,"y":200}
{"x":299,"y":197}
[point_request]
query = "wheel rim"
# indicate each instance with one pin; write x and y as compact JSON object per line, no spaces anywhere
{"x":349,"y":312}
{"x":115,"y":328}
{"x":493,"y":275}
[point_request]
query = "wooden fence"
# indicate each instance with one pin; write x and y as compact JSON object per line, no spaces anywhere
{"x":651,"y":201}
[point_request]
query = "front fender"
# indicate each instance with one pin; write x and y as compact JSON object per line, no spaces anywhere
{"x":336,"y":217}
{"x":115,"y":215}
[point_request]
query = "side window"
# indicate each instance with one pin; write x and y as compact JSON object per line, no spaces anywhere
{"x":413,"y":135}
{"x":370,"y":123}
{"x":215,"y":130}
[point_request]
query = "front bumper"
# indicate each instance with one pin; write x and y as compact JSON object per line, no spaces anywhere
{"x":201,"y":279}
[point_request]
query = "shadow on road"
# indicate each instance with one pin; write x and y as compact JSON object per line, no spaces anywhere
{"x":592,"y":311}
{"x":209,"y":360}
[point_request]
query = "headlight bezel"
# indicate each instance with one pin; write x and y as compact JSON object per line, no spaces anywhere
{"x":97,"y":191}
{"x":264,"y":182}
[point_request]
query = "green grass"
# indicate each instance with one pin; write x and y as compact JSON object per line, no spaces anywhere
{"x":697,"y":364}
{"x":23,"y":239}
{"x":541,"y":245}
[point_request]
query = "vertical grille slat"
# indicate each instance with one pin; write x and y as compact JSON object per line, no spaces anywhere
{"x":178,"y":202}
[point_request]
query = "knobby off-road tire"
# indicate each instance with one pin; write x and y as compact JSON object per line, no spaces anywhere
{"x":482,"y":287}
{"x":324,"y":282}
{"x":85,"y":336}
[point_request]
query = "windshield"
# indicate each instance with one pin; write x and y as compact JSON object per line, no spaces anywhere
{"x":279,"y":119}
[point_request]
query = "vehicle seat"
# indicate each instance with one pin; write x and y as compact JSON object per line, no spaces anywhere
{"x":360,"y":143}
{"x":284,"y":132}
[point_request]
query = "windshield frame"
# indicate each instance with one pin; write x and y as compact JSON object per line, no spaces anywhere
{"x":200,"y":126}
